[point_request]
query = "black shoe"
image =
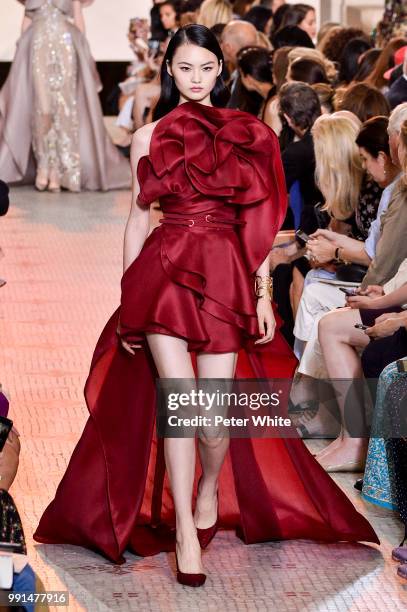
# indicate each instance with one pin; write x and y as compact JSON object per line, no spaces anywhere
{"x":358,"y":484}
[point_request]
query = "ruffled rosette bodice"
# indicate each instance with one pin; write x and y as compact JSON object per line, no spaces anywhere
{"x":204,"y":157}
{"x":205,"y":160}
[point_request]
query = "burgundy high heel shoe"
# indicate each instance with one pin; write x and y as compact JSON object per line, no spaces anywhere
{"x":191,"y":580}
{"x":205,"y":536}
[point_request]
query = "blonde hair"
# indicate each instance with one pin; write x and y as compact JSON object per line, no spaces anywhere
{"x":316,"y":56}
{"x":338,"y":172}
{"x":212,"y":12}
{"x":403,"y":142}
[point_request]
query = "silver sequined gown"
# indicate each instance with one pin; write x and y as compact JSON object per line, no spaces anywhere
{"x":55,"y":113}
{"x":50,"y":112}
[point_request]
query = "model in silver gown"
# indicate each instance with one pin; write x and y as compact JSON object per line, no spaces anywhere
{"x":51,"y":124}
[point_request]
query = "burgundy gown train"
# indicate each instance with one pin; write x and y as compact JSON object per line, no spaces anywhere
{"x":221,"y":169}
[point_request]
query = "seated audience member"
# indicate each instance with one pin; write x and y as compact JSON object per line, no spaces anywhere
{"x":351,"y":201}
{"x":374,"y":149}
{"x":274,"y":5}
{"x":384,"y":63}
{"x":386,"y":246}
{"x":241,"y":7}
{"x":336,"y":39}
{"x":256,"y":73}
{"x":340,"y":342}
{"x":337,"y":334}
{"x":306,"y":71}
{"x":262,"y":19}
{"x":235,"y":36}
{"x":170,"y":16}
{"x":146,"y":95}
{"x":326,"y":94}
{"x":303,"y":16}
{"x":343,"y":127}
{"x":325,"y":28}
{"x":367,"y":62}
{"x":349,"y":61}
{"x":339,"y":172}
{"x":363,"y":101}
{"x":315,"y":55}
{"x":278,"y":16}
{"x":385,"y":479}
{"x":300,"y":107}
{"x":379,"y":480}
{"x":291,"y":36}
{"x":379,"y":252}
{"x":212,"y":12}
{"x":280,"y":66}
{"x":394,"y":73}
{"x":189,"y":12}
{"x":157,"y":30}
{"x":272,"y":110}
{"x":397,"y":93}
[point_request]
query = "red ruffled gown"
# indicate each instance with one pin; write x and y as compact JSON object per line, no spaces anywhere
{"x":220,"y":168}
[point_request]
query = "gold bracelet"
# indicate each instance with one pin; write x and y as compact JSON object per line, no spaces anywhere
{"x":263,"y":286}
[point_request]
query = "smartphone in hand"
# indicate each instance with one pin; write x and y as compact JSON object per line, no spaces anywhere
{"x":361,"y":326}
{"x":348,"y":290}
{"x":301,"y":237}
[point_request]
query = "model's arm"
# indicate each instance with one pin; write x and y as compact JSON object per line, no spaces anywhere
{"x":265,"y":315}
{"x":27,"y":21}
{"x":138,"y":223}
{"x":78,"y":16}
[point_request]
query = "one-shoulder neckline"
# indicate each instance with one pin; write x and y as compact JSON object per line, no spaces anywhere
{"x":192,"y":104}
{"x":165,"y":117}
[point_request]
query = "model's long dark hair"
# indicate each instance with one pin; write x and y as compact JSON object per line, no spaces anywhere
{"x":202,"y":37}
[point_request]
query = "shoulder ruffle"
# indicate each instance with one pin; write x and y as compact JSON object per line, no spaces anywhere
{"x":222,"y":153}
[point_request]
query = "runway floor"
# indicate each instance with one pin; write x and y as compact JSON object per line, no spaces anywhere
{"x":63,"y":263}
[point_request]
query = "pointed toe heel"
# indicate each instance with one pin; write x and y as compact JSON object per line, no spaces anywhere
{"x":191,"y":580}
{"x":205,"y":536}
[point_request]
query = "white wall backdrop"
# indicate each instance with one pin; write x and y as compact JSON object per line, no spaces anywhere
{"x":107,"y":22}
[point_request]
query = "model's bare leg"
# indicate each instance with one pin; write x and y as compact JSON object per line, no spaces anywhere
{"x":172,"y":360}
{"x":339,"y":339}
{"x":212,"y":450}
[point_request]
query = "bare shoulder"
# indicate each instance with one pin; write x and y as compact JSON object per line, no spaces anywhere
{"x":140,"y":143}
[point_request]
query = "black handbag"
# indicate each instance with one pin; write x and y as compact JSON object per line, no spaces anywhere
{"x":351,"y":273}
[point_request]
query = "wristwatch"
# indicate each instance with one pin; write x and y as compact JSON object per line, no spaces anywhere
{"x":338,"y":259}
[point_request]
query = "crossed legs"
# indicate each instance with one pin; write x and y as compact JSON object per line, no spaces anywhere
{"x":340,"y":340}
